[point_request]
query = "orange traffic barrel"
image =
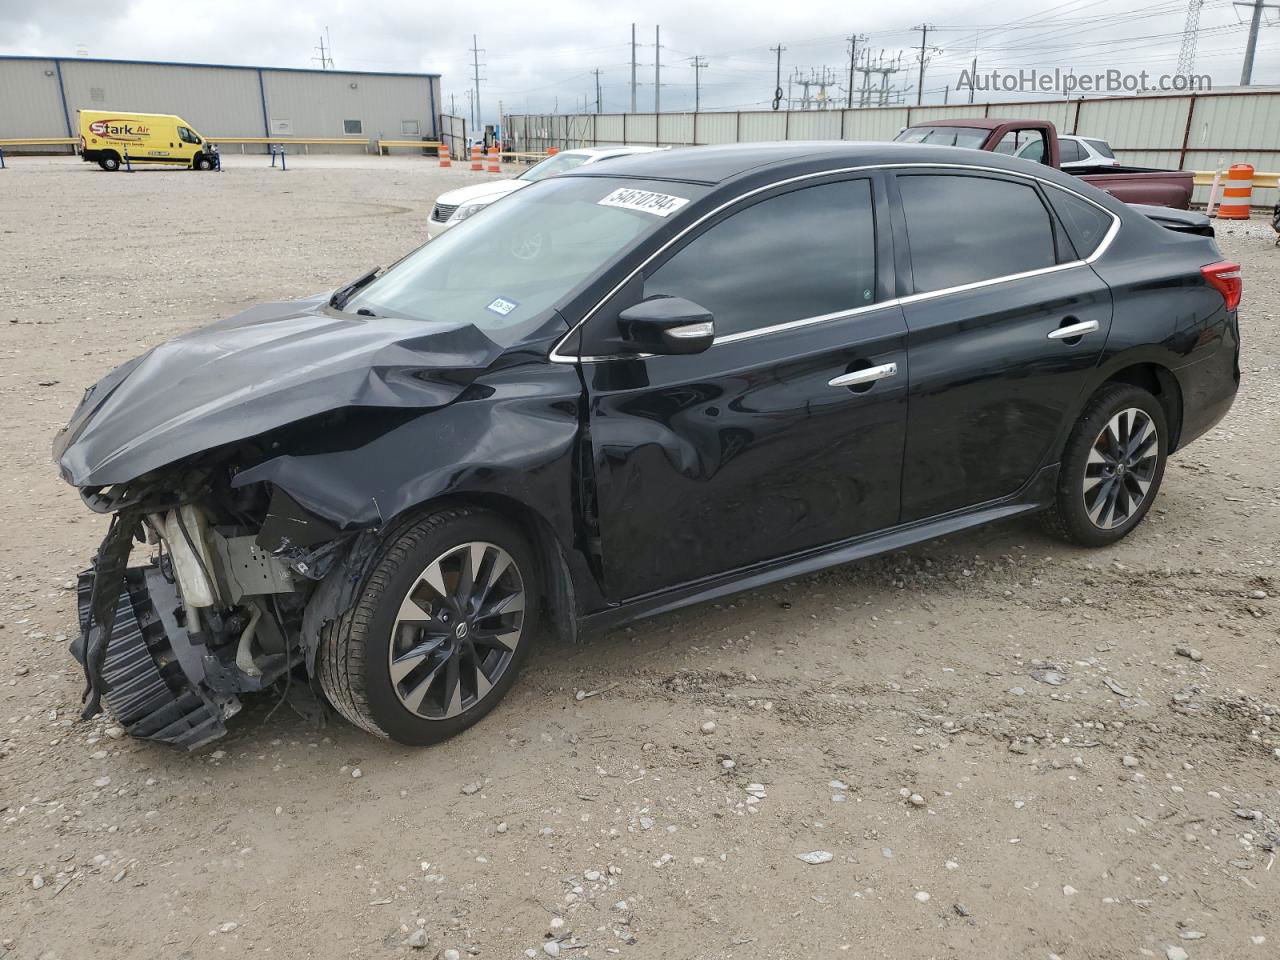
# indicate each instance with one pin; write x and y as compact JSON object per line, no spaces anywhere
{"x":477,"y":164}
{"x":552,"y":151}
{"x":495,"y":158}
{"x":445,"y":159}
{"x":1239,"y":189}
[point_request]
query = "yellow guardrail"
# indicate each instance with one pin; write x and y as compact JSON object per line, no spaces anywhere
{"x":40,"y":142}
{"x":301,"y":141}
{"x":422,"y":144}
{"x":1261,"y":181}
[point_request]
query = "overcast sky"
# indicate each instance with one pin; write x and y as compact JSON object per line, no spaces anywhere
{"x":538,"y":56}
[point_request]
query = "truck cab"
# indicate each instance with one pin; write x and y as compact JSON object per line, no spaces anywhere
{"x":1037,"y":141}
{"x":109,"y":138}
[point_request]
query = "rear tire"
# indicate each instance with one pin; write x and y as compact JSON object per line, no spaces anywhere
{"x":109,"y":163}
{"x":1112,"y":467}
{"x":422,"y":654}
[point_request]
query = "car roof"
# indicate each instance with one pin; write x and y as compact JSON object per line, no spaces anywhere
{"x":599,"y":153}
{"x":718,"y":164}
{"x":980,"y":123}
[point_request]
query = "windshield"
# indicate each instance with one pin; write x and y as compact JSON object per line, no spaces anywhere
{"x":554,"y":166}
{"x":503,"y":271}
{"x":972,"y":137}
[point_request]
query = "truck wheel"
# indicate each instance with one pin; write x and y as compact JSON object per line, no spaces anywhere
{"x":439,"y":631}
{"x":110,"y":162}
{"x":203,"y":162}
{"x":1111,"y":468}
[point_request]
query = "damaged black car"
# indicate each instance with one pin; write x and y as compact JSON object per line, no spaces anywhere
{"x":618,"y":392}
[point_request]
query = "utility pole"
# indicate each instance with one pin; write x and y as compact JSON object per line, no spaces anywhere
{"x":657,"y":70}
{"x":476,"y":64}
{"x":777,"y":82}
{"x":853,"y":59}
{"x":633,"y":68}
{"x":596,"y":71}
{"x":453,"y":105}
{"x":699,"y":64}
{"x":924,"y":29}
{"x":326,"y":56}
{"x":973,"y":67}
{"x":1246,"y":73}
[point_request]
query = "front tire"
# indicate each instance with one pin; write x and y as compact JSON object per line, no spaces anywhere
{"x":439,"y":632}
{"x":203,"y":163}
{"x":1111,"y":468}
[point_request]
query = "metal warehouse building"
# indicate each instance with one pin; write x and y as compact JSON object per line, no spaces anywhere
{"x":39,"y":97}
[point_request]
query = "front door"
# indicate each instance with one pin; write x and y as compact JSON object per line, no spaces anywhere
{"x":787,"y":433}
{"x":1005,"y":322}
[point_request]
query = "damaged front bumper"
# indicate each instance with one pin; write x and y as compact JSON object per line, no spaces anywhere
{"x":170,"y":646}
{"x":146,"y":663}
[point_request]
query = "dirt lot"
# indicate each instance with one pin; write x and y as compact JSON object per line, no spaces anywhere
{"x":893,"y":714}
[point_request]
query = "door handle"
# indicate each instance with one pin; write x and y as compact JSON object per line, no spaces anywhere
{"x":866,"y":375}
{"x":1074,"y":330}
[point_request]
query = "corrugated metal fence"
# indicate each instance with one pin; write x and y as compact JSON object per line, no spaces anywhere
{"x":1191,"y":132}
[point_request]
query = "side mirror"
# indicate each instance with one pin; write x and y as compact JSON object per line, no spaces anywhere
{"x":667,"y":325}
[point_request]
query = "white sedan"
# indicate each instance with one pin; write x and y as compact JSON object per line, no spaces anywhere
{"x":455,"y":206}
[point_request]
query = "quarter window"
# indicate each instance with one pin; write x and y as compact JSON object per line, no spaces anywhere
{"x":802,"y":254}
{"x":1085,"y":224}
{"x":965,"y":229}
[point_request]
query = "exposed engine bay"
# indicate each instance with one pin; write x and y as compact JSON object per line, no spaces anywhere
{"x":217,"y":612}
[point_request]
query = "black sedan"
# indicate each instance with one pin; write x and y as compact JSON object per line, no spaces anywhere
{"x":642,"y":385}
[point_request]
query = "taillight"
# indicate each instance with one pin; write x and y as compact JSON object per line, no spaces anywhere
{"x":1224,"y":277}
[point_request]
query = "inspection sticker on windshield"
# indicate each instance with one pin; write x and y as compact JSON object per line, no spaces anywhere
{"x":502,"y":306}
{"x":646,"y":201}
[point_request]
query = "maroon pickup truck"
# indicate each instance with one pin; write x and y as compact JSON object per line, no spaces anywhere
{"x":1037,"y":140}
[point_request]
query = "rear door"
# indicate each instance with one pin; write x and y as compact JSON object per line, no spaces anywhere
{"x":756,"y":448}
{"x":1005,"y":322}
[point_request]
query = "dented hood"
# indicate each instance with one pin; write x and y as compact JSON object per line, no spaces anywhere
{"x":264,"y":368}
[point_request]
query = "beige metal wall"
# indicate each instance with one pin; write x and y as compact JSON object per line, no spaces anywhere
{"x":30,"y":104}
{"x":1181,"y":132}
{"x":219,"y":101}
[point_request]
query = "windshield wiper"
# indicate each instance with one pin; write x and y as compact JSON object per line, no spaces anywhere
{"x":343,"y":294}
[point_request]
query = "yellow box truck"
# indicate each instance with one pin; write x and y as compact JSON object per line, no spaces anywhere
{"x":147,"y":138}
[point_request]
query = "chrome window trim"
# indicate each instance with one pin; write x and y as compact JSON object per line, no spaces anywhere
{"x":557,"y":357}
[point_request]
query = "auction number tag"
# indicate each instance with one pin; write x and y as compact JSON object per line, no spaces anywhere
{"x":502,"y":306}
{"x":646,"y":201}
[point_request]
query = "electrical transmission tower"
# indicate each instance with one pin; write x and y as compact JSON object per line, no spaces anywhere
{"x":1190,"y":36}
{"x":883,"y":93}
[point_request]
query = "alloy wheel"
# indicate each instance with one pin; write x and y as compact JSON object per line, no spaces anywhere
{"x":457,"y":630}
{"x":1121,"y":468}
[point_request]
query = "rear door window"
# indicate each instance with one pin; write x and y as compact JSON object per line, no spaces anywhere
{"x":966,"y":229}
{"x":794,"y":256}
{"x":1070,"y":151}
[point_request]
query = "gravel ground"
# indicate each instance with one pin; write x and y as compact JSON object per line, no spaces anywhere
{"x":988,"y":746}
